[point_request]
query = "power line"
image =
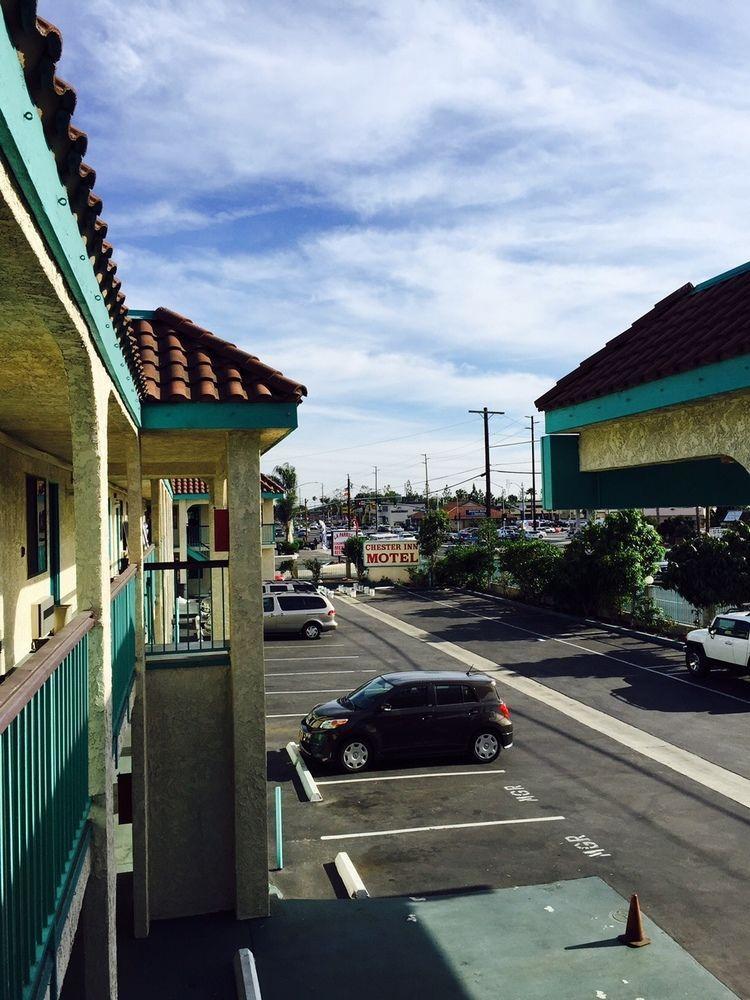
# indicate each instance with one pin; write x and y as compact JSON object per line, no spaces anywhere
{"x":369,"y":444}
{"x":486,"y":414}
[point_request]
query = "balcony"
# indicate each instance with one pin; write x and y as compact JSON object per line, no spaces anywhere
{"x":185,"y":612}
{"x":198,"y":541}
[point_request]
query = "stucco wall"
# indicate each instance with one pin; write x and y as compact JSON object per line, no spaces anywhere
{"x":716,"y":427}
{"x":17,"y":592}
{"x":190,"y":778}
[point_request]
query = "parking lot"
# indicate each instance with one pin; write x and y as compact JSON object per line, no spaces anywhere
{"x":564,"y":803}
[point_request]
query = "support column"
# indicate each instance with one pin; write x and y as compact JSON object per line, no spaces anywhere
{"x":89,"y":433}
{"x":138,"y":717}
{"x":182,"y":539}
{"x":247,"y":671}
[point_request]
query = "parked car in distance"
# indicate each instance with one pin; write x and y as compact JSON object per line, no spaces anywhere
{"x":725,"y":643}
{"x":305,"y":614}
{"x":289,"y":587}
{"x":409,"y":713}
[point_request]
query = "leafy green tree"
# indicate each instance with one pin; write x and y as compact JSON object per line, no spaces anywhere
{"x":316,"y":567}
{"x":354,"y":552}
{"x":711,"y":572}
{"x":285,"y":508}
{"x":533,"y":564}
{"x":606,"y":565}
{"x":487,"y":542}
{"x":433,"y":532}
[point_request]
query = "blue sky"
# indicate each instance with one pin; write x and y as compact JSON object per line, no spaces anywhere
{"x":414,"y":208}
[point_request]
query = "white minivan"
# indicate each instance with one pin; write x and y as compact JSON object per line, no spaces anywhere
{"x":304,"y":614}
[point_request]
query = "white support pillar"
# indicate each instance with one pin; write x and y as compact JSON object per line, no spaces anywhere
{"x":88,"y":402}
{"x":138,"y":717}
{"x":247,"y":670}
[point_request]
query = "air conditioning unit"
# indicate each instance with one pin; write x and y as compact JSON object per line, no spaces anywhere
{"x":43,"y":618}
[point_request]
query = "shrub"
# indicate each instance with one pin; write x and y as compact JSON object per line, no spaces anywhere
{"x":289,"y":548}
{"x":465,"y":566}
{"x":711,"y":572}
{"x":315,"y":566}
{"x":533,"y":565}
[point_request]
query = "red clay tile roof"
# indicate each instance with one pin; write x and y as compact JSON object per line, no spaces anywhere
{"x":270,"y":485}
{"x":39,"y":46}
{"x":183,"y":362}
{"x":183,"y":486}
{"x":693,"y":326}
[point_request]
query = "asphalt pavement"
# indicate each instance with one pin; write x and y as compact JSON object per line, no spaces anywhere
{"x":623,"y":768}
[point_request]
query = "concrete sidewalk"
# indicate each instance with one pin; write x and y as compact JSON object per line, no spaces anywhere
{"x":532,"y":943}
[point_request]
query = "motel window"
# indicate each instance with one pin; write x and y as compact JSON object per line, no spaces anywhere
{"x":36,"y":525}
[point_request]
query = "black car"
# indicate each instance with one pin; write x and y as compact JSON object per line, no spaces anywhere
{"x":415,"y":712}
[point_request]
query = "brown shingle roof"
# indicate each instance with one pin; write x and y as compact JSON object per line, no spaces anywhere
{"x":183,"y":362}
{"x":693,"y":326}
{"x":270,"y":485}
{"x":183,"y":486}
{"x":39,"y":46}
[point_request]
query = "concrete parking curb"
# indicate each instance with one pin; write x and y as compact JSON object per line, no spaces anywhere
{"x":246,"y":976}
{"x":349,"y":875}
{"x":308,"y":782}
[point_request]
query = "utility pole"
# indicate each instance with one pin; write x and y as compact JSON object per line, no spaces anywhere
{"x":376,"y":498}
{"x":426,"y":486}
{"x":348,"y":501}
{"x":533,"y":476}
{"x":486,"y":414}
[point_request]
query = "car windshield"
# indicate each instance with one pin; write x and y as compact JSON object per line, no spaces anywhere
{"x":369,"y":694}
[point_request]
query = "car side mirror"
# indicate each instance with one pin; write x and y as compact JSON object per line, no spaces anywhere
{"x":711,"y":630}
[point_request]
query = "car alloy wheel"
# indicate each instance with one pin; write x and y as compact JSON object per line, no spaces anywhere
{"x":355,"y":756}
{"x":696,"y":663}
{"x":486,"y":747}
{"x":312,"y":631}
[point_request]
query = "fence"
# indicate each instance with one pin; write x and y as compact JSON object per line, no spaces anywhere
{"x":123,"y":646}
{"x":44,"y":802}
{"x":187,"y":606}
{"x":268,"y":534}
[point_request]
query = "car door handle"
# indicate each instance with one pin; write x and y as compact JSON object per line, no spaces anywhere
{"x":728,"y":642}
{"x":474,"y":711}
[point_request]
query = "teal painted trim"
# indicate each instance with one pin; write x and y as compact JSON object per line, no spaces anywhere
{"x":674,"y":484}
{"x":730,"y":375}
{"x":192,"y":497}
{"x":141,"y":313}
{"x":23,"y":143}
{"x":187,"y":661}
{"x":724,"y":276}
{"x":272,"y":496}
{"x":218,"y":416}
{"x":123,"y":655}
{"x":196,"y":555}
{"x":168,"y":488}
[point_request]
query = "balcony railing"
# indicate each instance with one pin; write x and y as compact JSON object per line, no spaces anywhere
{"x":44,"y":802}
{"x":198,"y":537}
{"x":267,"y":534}
{"x":123,"y":646}
{"x":186,"y":607}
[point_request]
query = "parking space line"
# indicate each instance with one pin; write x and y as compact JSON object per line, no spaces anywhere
{"x":288,"y":659}
{"x":445,"y":826}
{"x":311,"y":673}
{"x":703,"y":772}
{"x":290,"y":715}
{"x":405,"y":777}
{"x":314,"y":691}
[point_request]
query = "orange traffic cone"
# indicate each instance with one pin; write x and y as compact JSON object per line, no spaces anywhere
{"x":634,"y":936}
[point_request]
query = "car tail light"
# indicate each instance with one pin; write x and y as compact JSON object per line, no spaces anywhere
{"x":331,"y":613}
{"x":503,"y":710}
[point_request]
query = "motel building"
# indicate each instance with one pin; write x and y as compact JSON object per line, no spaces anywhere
{"x":131,"y":654}
{"x":660,"y":416}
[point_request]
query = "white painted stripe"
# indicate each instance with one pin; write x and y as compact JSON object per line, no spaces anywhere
{"x":291,"y":715}
{"x":406,"y":777}
{"x":314,"y":691}
{"x":304,"y":659}
{"x":446,"y":826}
{"x":586,"y":649}
{"x":310,"y":673}
{"x":349,"y":875}
{"x":298,"y":645}
{"x":308,"y":782}
{"x":702,"y":772}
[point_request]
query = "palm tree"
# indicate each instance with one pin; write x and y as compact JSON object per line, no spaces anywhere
{"x":287,"y":476}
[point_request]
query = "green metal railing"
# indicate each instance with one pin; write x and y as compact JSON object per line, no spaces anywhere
{"x":123,"y":646}
{"x":268,"y":534}
{"x":44,"y":803}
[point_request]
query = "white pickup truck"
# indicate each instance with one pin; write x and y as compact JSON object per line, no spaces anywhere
{"x":725,"y":643}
